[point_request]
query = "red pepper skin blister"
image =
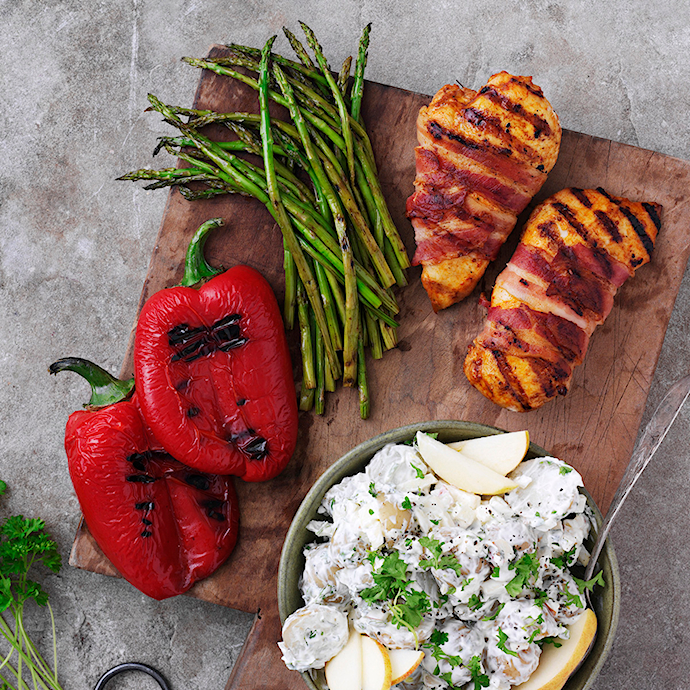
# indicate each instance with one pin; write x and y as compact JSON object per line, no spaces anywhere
{"x":161,"y":524}
{"x":214,"y":378}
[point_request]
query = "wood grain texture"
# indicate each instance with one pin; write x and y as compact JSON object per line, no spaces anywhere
{"x":593,"y":428}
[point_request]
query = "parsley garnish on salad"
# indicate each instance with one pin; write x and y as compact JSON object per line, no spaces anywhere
{"x":525,"y":567}
{"x":438,"y":560}
{"x":501,"y":644}
{"x":407,"y":605}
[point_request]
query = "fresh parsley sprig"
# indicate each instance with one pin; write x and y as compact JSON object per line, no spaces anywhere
{"x":524,"y":567}
{"x":24,"y":544}
{"x":407,"y":605}
{"x":438,"y":560}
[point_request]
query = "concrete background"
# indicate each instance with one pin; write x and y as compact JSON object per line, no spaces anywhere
{"x":74,"y":249}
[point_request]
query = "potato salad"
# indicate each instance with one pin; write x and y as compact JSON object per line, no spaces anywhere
{"x":479,"y":584}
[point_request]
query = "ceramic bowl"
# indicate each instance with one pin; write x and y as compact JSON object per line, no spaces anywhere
{"x":606,"y":601}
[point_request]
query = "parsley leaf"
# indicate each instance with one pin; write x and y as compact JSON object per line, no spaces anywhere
{"x":501,"y":644}
{"x":23,"y":545}
{"x":474,"y":603}
{"x":406,"y":504}
{"x":391,"y":585}
{"x":438,"y":560}
{"x":565,"y":469}
{"x":524,"y":567}
{"x":555,"y":641}
{"x":494,"y":615}
{"x":598,"y":579}
{"x":480,"y":680}
{"x":564,"y":560}
{"x":372,"y":490}
{"x":419,"y":473}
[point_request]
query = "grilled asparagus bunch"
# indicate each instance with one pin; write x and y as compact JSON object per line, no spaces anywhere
{"x":342,"y":252}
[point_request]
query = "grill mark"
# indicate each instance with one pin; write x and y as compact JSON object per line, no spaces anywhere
{"x":608,"y":226}
{"x":567,"y":213}
{"x":514,"y":386}
{"x":603,"y":192}
{"x":532,"y":88}
{"x":580,"y":195}
{"x":493,"y":157}
{"x":638,"y":227}
{"x":439,"y":132}
{"x":540,"y":125}
{"x":543,"y":376}
{"x":652,"y":213}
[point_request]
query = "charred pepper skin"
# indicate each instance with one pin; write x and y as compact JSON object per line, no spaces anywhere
{"x":214,"y":378}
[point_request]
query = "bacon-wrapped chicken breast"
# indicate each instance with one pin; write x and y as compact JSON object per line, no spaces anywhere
{"x":577,"y":249}
{"x":480,"y":160}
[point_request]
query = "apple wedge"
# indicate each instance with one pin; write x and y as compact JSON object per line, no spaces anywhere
{"x":344,"y":670}
{"x":557,"y":663}
{"x":501,"y":453}
{"x":461,"y":471}
{"x":376,"y":665}
{"x":403,"y":663}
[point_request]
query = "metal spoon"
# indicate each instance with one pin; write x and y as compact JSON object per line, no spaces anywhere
{"x":654,"y":433}
{"x":647,"y":445}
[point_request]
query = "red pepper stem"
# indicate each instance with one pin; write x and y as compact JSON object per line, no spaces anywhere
{"x":196,"y":268}
{"x":105,"y":388}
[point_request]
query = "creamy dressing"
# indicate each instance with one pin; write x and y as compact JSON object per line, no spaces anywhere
{"x":492,"y":574}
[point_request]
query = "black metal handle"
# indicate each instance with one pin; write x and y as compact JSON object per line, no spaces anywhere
{"x":132,"y":666}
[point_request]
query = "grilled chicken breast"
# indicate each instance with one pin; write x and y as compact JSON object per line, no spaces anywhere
{"x":577,"y":249}
{"x":480,"y":160}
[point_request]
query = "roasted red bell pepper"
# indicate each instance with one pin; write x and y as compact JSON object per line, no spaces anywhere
{"x":213,"y":372}
{"x":163,"y":525}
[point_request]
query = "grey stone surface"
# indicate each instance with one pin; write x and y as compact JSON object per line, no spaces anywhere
{"x":74,"y":248}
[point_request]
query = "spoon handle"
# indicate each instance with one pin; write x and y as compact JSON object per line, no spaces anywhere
{"x":647,"y":445}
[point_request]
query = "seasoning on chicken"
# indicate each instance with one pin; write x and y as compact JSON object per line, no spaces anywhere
{"x":480,"y":160}
{"x":577,"y":249}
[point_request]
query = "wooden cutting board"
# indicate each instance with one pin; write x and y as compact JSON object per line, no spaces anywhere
{"x":593,"y":428}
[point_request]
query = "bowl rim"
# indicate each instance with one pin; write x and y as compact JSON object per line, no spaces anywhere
{"x":358,"y":457}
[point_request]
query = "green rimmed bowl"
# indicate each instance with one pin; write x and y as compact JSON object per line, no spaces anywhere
{"x":606,"y":601}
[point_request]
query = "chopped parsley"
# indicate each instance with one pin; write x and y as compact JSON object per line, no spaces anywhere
{"x":406,"y":504}
{"x":555,"y":641}
{"x":371,"y":512}
{"x":420,"y":474}
{"x":526,"y":566}
{"x":501,"y":644}
{"x":480,"y":679}
{"x":407,"y":606}
{"x":474,"y":603}
{"x":494,"y":615}
{"x":598,"y":579}
{"x":372,"y":490}
{"x":438,"y":560}
{"x":565,"y":559}
{"x":565,"y":470}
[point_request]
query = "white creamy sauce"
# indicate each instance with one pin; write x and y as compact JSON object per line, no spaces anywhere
{"x":487,"y":577}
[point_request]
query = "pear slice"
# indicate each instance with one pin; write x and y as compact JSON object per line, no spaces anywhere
{"x":501,"y":453}
{"x":403,"y":663}
{"x":461,"y":471}
{"x":376,"y":665}
{"x":557,"y":663}
{"x":344,"y":670}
